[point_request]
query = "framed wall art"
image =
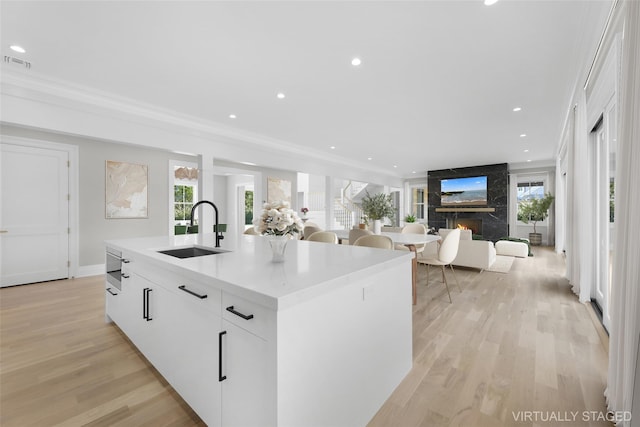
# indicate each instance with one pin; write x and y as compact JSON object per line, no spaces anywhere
{"x":278,"y":189}
{"x":126,"y":190}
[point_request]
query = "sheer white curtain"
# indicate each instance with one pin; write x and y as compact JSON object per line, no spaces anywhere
{"x":579,"y":221}
{"x":625,"y":297}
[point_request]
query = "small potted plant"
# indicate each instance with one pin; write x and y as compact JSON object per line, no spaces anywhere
{"x":376,"y":208}
{"x":410,"y":219}
{"x":535,"y":210}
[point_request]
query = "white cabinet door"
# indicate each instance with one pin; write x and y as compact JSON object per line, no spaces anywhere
{"x":189,"y":356}
{"x":247,"y":399}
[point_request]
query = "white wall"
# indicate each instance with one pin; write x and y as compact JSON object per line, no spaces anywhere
{"x":94,"y":228}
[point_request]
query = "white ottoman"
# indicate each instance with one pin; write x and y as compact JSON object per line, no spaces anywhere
{"x":506,"y":247}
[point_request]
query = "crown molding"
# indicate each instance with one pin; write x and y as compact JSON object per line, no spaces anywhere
{"x":45,"y":90}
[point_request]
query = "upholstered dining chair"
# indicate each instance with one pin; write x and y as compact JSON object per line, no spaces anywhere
{"x":323,"y":236}
{"x":309,"y":230}
{"x":375,"y":241}
{"x":251,"y":231}
{"x":356,"y":233}
{"x":446,"y":254}
{"x":413,"y":228}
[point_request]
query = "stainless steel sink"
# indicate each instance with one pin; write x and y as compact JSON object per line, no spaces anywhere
{"x":191,"y":252}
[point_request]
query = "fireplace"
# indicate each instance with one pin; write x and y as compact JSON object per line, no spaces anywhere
{"x":473,"y":224}
{"x":494,"y":216}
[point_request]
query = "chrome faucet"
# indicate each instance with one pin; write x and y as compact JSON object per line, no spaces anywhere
{"x":219,"y":235}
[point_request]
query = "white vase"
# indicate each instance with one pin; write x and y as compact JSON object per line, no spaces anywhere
{"x":278,"y":245}
{"x":377,"y":226}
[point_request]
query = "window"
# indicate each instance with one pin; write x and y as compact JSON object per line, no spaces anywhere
{"x":418,"y":202}
{"x":248,"y":207}
{"x":183,"y":202}
{"x":528,"y":191}
{"x":185,"y":191}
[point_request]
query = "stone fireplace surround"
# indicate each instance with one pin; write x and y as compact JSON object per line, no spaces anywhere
{"x":494,"y":216}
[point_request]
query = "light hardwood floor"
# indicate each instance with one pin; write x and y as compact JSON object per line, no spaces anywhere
{"x":511,"y":347}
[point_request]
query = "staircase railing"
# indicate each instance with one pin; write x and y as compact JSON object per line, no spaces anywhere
{"x":347,"y":213}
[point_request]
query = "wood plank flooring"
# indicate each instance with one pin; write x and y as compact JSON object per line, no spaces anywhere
{"x":514,"y":349}
{"x":509,"y":343}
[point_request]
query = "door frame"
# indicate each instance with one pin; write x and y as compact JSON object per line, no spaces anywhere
{"x":72,"y":151}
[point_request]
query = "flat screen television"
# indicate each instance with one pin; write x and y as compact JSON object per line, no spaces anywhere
{"x":471,"y":191}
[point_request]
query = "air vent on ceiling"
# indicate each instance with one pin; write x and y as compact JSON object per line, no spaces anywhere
{"x":17,"y":61}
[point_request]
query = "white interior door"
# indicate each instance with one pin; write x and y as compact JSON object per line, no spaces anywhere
{"x":34,"y":214}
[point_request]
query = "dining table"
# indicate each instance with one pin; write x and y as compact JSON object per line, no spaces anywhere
{"x":410,"y":240}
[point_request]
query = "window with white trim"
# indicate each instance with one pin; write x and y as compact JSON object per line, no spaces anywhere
{"x":529,"y":190}
{"x":418,"y":202}
{"x":185,"y":193}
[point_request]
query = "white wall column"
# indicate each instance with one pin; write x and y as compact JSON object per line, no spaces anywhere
{"x":328,"y":197}
{"x":205,"y":214}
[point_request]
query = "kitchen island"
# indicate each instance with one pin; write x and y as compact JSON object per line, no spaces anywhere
{"x":321,"y":339}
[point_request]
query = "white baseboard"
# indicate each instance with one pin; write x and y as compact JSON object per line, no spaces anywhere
{"x":91,"y":270}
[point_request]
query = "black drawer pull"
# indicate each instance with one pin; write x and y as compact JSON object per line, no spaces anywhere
{"x":111,"y":292}
{"x":125,"y":261}
{"x":184,"y":288}
{"x":220,"y":376}
{"x":237,"y":313}
{"x":126,"y":276}
{"x":145,"y":304}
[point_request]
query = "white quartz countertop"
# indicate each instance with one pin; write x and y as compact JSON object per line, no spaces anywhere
{"x":310,"y":269}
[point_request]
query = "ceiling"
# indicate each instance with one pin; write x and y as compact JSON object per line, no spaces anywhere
{"x":436,"y":88}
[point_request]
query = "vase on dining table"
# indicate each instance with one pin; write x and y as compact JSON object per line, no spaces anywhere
{"x":377,"y":226}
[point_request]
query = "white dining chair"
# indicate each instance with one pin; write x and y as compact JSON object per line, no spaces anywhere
{"x":323,"y":236}
{"x":356,"y":233}
{"x":309,"y":230}
{"x":446,"y":254}
{"x":375,"y":241}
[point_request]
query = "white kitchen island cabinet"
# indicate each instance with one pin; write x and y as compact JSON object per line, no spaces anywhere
{"x":322,"y":339}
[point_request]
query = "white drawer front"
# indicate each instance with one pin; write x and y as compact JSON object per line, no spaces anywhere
{"x":248,"y":315}
{"x":205,"y":296}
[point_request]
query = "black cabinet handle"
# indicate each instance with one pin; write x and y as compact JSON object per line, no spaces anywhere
{"x":220,"y":376}
{"x":126,"y":276}
{"x":125,"y":261}
{"x":111,"y":292}
{"x":184,"y":288}
{"x":145,"y":304}
{"x":237,"y":313}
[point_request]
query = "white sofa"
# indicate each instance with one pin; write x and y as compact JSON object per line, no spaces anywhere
{"x":479,"y":254}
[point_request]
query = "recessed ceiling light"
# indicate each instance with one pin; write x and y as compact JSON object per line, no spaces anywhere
{"x":395,"y":166}
{"x":280,"y":95}
{"x":490,"y":2}
{"x":413,"y":171}
{"x":526,"y":151}
{"x":522,"y":135}
{"x":517,"y":109}
{"x":333,"y":147}
{"x":369,"y":158}
{"x":529,"y":160}
{"x":356,"y":62}
{"x":17,"y":48}
{"x":232,"y":116}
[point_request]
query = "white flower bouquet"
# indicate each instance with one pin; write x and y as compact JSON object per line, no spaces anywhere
{"x":278,"y":219}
